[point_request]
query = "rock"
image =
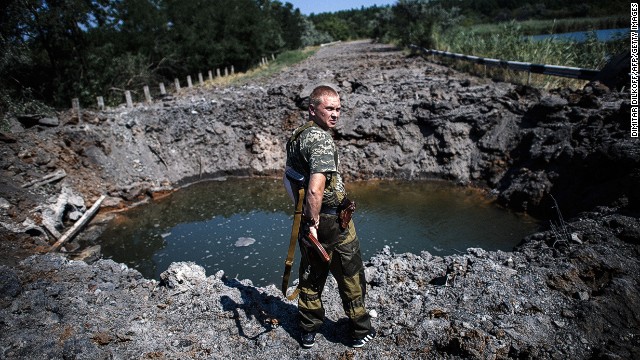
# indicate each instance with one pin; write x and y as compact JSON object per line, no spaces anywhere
{"x":183,"y":276}
{"x":575,"y":238}
{"x":89,"y":255}
{"x":49,"y":121}
{"x":10,"y":285}
{"x":4,"y":203}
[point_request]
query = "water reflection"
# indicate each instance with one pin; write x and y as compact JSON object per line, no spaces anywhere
{"x":242,"y":226}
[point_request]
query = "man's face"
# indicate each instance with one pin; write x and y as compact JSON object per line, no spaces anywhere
{"x":326,"y":114}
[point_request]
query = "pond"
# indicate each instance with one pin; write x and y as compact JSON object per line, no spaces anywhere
{"x":603,"y":35}
{"x":242,"y":226}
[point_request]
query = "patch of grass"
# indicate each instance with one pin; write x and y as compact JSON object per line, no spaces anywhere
{"x":282,"y":61}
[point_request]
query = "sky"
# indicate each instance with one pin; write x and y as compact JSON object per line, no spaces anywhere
{"x":319,"y":6}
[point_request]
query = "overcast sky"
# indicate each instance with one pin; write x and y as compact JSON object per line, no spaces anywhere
{"x":319,"y":6}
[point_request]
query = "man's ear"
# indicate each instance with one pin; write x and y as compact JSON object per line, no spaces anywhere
{"x":312,"y":110}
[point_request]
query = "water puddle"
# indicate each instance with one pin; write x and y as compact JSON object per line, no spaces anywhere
{"x":242,"y":226}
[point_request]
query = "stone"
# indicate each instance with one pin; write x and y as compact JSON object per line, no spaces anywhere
{"x":183,"y":275}
{"x":49,"y":121}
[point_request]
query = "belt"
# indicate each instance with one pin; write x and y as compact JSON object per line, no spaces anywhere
{"x":329,"y":210}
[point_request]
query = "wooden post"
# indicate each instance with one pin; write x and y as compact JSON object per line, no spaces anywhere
{"x":163,"y":91}
{"x":189,"y":84}
{"x":218,"y":72}
{"x":78,"y":225}
{"x":233,"y":70}
{"x":127,"y":95}
{"x":75,"y":105}
{"x":147,"y":94}
{"x":177,"y":82}
{"x":100,"y":102}
{"x":529,"y":77}
{"x":210,"y":76}
{"x":200,"y":81}
{"x":273,"y":57}
{"x":226,"y":71}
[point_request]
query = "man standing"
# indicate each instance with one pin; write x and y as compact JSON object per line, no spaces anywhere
{"x":312,"y":153}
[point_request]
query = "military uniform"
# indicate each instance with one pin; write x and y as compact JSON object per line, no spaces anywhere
{"x":312,"y":150}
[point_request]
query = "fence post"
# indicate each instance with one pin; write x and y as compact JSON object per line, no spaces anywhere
{"x":75,"y":105}
{"x":189,"y":84}
{"x":100,"y":102}
{"x":233,"y":70}
{"x":226,"y":71}
{"x":163,"y":91}
{"x":273,"y":57}
{"x":200,"y":81}
{"x":127,"y":95}
{"x":210,"y":76}
{"x":528,"y":77}
{"x":147,"y":94}
{"x":177,"y":82}
{"x":218,"y":72}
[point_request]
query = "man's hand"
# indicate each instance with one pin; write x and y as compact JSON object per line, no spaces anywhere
{"x":313,"y":231}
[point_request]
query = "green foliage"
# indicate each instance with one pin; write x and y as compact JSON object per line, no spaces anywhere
{"x":58,"y":50}
{"x":508,"y":42}
{"x":556,"y":26}
{"x":419,"y":21}
{"x":312,"y":36}
{"x":350,"y":24}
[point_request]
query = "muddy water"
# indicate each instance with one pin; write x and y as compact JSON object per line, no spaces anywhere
{"x":242,"y":226}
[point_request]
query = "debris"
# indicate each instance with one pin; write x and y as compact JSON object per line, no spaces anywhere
{"x":244,"y":241}
{"x":55,"y":176}
{"x":78,"y":225}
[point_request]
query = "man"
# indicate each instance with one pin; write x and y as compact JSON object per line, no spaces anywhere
{"x":312,"y":152}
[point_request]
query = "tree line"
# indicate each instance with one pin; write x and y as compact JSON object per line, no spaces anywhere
{"x":55,"y":50}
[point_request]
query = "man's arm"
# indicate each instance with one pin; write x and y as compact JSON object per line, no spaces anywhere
{"x":315,"y":192}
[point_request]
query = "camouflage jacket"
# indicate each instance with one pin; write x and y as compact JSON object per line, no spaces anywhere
{"x":312,"y":150}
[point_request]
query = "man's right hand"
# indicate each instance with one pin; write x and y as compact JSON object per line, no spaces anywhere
{"x":313,"y":231}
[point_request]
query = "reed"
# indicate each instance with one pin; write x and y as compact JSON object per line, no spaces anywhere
{"x":558,"y":26}
{"x":509,"y":42}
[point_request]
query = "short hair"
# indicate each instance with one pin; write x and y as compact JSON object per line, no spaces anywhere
{"x":319,"y":92}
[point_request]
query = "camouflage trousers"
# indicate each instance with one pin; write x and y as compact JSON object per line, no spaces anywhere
{"x":346,"y":266}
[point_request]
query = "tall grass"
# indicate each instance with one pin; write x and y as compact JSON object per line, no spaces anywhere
{"x":509,"y":42}
{"x":558,"y":26}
